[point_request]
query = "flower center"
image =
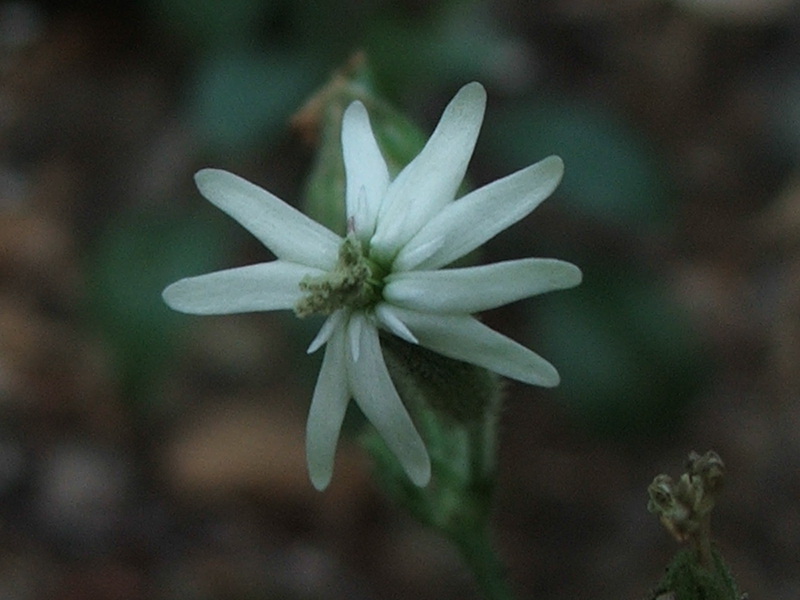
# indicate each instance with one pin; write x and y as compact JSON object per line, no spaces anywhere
{"x":355,"y":282}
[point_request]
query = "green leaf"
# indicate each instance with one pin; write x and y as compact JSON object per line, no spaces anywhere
{"x":449,"y":43}
{"x":612,"y":174}
{"x":209,"y":22}
{"x":132,"y":262}
{"x":628,"y":359}
{"x":244,"y":99}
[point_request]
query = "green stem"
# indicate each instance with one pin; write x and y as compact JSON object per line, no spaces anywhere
{"x":461,"y":435}
{"x":489,"y":572}
{"x":702,"y":542}
{"x":472,"y":536}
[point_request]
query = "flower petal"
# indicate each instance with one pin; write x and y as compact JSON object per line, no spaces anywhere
{"x":421,"y":252}
{"x":475,"y":289}
{"x":387,"y":317}
{"x":375,"y":394}
{"x":328,"y":407}
{"x":354,"y":327}
{"x":465,"y":338}
{"x":482,"y":214}
{"x":431,"y":180}
{"x":266,"y":286}
{"x":325,"y":332}
{"x":287,"y":232}
{"x":365,"y":170}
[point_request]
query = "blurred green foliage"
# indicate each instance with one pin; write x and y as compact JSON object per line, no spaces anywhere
{"x":612,"y":175}
{"x":241,"y":100}
{"x":209,"y":22}
{"x":628,"y":359}
{"x":627,"y":355}
{"x":455,"y":43}
{"x":256,"y":60}
{"x":135,"y":258}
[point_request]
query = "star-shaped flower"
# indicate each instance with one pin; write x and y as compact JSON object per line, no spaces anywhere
{"x":386,"y":274}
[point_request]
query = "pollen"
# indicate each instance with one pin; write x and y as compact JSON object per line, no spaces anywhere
{"x":353,"y":283}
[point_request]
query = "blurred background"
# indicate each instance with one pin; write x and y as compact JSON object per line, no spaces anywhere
{"x":150,"y":455}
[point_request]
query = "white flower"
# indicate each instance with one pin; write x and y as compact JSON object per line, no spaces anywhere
{"x":387,"y":273}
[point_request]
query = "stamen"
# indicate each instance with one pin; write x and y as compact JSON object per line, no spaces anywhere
{"x":355,"y":282}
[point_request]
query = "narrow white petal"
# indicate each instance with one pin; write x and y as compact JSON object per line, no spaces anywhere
{"x":482,"y":214}
{"x":389,"y":319}
{"x":375,"y":394}
{"x":326,"y":331}
{"x":366,"y":173}
{"x":431,"y":180}
{"x":419,"y":253}
{"x":354,"y":327}
{"x":266,"y":286}
{"x":467,"y":339}
{"x":361,"y":215}
{"x":328,"y":407}
{"x":474,"y":289}
{"x":287,"y":232}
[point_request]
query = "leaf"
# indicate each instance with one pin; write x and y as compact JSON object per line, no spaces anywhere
{"x":628,"y":359}
{"x":132,"y":262}
{"x":243,"y":99}
{"x":612,"y":174}
{"x":210,"y":23}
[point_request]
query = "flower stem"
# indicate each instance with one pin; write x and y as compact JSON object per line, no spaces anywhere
{"x":472,"y":535}
{"x":702,"y":543}
{"x":477,"y":553}
{"x":456,"y":408}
